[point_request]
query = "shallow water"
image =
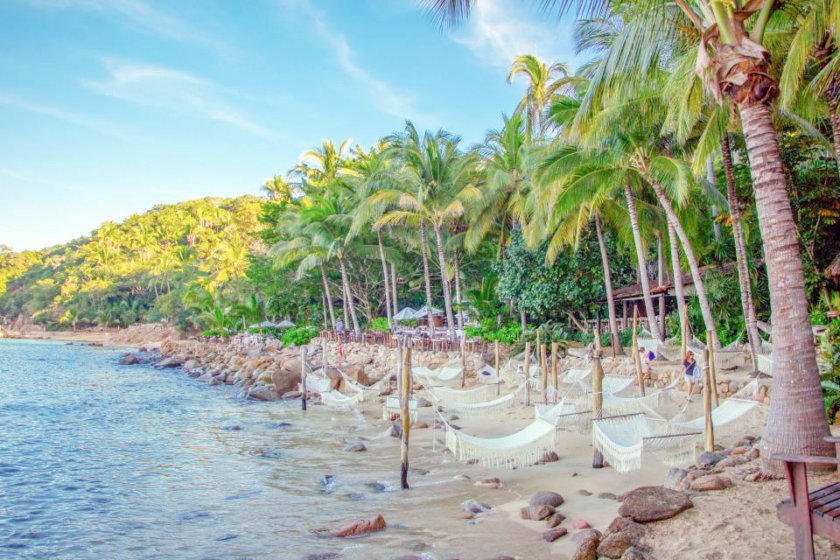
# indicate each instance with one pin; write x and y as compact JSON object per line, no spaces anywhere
{"x":99,"y":460}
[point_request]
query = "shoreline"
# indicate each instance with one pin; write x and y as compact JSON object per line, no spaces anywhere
{"x":274,"y":371}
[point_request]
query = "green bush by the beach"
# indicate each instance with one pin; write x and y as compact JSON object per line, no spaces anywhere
{"x":379,"y":324}
{"x":299,"y":336}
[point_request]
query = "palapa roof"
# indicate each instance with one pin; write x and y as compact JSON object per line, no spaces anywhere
{"x":832,"y":271}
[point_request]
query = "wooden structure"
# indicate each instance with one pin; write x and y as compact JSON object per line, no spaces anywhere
{"x":810,"y":513}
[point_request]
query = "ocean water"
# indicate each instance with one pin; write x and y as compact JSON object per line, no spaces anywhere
{"x":102,"y":461}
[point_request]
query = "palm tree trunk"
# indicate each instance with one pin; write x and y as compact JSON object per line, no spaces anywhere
{"x":324,"y":309}
{"x":328,"y":294}
{"x":835,"y":122}
{"x":458,"y":288}
{"x":344,"y":306}
{"x":444,"y":280}
{"x":605,"y":263}
{"x":677,"y":272}
{"x":696,"y":277}
{"x":797,"y":422}
{"x":642,"y":262}
{"x":424,"y":249}
{"x":710,"y":176}
{"x":747,"y":304}
{"x":349,"y":297}
{"x":394,"y":286}
{"x":384,"y":277}
{"x":523,"y":320}
{"x":660,"y":278}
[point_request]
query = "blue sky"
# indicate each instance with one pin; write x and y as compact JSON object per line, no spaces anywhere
{"x":109,"y":107}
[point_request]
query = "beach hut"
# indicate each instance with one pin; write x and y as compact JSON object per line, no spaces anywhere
{"x":406,"y":314}
{"x":285,"y":324}
{"x":437,"y":315}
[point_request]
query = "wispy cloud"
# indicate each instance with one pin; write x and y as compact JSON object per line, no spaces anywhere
{"x":386,"y":97}
{"x":144,"y":17}
{"x":173,"y":90}
{"x":499,"y":30}
{"x":18,"y":103}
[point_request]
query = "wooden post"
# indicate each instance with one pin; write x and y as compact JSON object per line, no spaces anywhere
{"x":640,"y":378}
{"x":597,"y":401}
{"x":463,"y":361}
{"x":539,"y":365}
{"x":707,"y":404}
{"x":527,"y":374}
{"x":405,"y":417}
{"x":554,"y":381}
{"x":544,"y":371}
{"x":496,"y":365}
{"x":303,"y":377}
{"x":712,"y":368}
{"x":624,"y":314}
{"x":684,"y":345}
{"x":598,"y":348}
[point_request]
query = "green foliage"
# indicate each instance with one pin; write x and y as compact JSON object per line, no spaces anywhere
{"x":487,"y":331}
{"x":379,"y":324}
{"x":299,"y":336}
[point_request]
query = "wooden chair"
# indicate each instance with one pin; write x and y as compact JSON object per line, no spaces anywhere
{"x":810,"y":513}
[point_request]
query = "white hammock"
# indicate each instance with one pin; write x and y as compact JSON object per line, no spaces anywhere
{"x":576,"y":374}
{"x":728,"y":411}
{"x":484,"y":407}
{"x":462,"y":396}
{"x":316,"y":383}
{"x":623,"y":439}
{"x":765,"y":363}
{"x":374,"y":389}
{"x":335,"y":398}
{"x":392,"y":406}
{"x":517,"y":450}
{"x":443,"y":374}
{"x":613,"y":404}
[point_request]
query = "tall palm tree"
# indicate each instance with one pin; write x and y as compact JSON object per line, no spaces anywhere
{"x":277,"y":189}
{"x":543,"y":82}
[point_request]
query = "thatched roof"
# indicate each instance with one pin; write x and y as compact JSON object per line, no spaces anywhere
{"x":832,"y":271}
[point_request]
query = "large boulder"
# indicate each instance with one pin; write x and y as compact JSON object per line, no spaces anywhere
{"x":546,"y":498}
{"x":130,"y":359}
{"x":284,"y":380}
{"x":170,"y":362}
{"x":358,"y":374}
{"x":587,"y":549}
{"x":622,"y":533}
{"x":261,"y":393}
{"x":653,"y":503}
{"x":711,"y":482}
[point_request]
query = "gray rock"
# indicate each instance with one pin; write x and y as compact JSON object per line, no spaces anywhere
{"x":472,"y":506}
{"x":653,"y":503}
{"x":130,"y":359}
{"x":674,"y":478}
{"x":554,"y":534}
{"x":709,"y":459}
{"x":357,"y":447}
{"x":536,"y":513}
{"x":261,"y":393}
{"x":607,"y":496}
{"x":546,"y":498}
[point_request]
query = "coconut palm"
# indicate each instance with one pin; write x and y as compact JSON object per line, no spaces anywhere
{"x":277,"y":189}
{"x":543,"y":83}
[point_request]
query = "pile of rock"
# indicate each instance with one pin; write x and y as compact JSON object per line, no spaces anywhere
{"x":542,"y":506}
{"x":720,"y":469}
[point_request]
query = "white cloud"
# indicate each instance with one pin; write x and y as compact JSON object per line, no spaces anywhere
{"x":142,"y":16}
{"x":386,"y":97}
{"x":498,"y":31}
{"x":173,"y":90}
{"x":15,"y":102}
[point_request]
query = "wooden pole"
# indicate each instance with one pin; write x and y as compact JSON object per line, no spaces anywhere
{"x":707,"y":404}
{"x":496,"y":365}
{"x":684,"y":345}
{"x":554,"y":348}
{"x":597,"y":401}
{"x":405,"y":417}
{"x":303,"y":377}
{"x":463,"y":361}
{"x":527,"y":374}
{"x":712,"y":368}
{"x":598,"y":348}
{"x":637,"y":360}
{"x":544,"y":371}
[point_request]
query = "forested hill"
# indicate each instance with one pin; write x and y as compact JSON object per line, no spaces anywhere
{"x":163,"y":264}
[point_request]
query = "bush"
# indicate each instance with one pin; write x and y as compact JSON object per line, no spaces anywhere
{"x":299,"y":336}
{"x":379,"y":324}
{"x":487,"y":331}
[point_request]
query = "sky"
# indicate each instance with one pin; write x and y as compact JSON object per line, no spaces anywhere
{"x":108,"y":107}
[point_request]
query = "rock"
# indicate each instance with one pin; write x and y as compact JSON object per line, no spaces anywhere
{"x":291,"y":395}
{"x":711,"y":482}
{"x":536,"y":513}
{"x":606,"y":496}
{"x":580,"y":536}
{"x":550,"y":457}
{"x":130,"y":360}
{"x":587,"y":549}
{"x":581,"y":524}
{"x":554,"y":534}
{"x":358,"y":374}
{"x":546,"y":498}
{"x":740,"y":450}
{"x":205,"y":378}
{"x":675,"y":477}
{"x":653,"y":503}
{"x":216,"y":381}
{"x":554,"y":520}
{"x":474,"y":506}
{"x":261,"y":393}
{"x":170,"y":362}
{"x":420,"y":426}
{"x":490,"y":483}
{"x":583,"y":492}
{"x":620,"y":535}
{"x":361,"y":527}
{"x":453,"y":417}
{"x":357,"y":447}
{"x":709,"y":459}
{"x":733,"y":461}
{"x":421,"y":402}
{"x":754,"y":453}
{"x":466,"y":515}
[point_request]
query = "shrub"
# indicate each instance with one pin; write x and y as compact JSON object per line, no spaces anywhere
{"x":299,"y":336}
{"x":379,"y":324}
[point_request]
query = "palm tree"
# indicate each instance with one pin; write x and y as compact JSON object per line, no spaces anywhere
{"x":541,"y":87}
{"x":277,"y":189}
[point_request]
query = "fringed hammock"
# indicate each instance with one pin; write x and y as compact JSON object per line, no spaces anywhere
{"x":485,"y":407}
{"x":731,"y":409}
{"x":316,"y":383}
{"x":335,"y":398}
{"x":623,"y":439}
{"x":392,"y":406}
{"x":372,"y":390}
{"x":462,"y":396}
{"x":517,"y":450}
{"x":443,"y":374}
